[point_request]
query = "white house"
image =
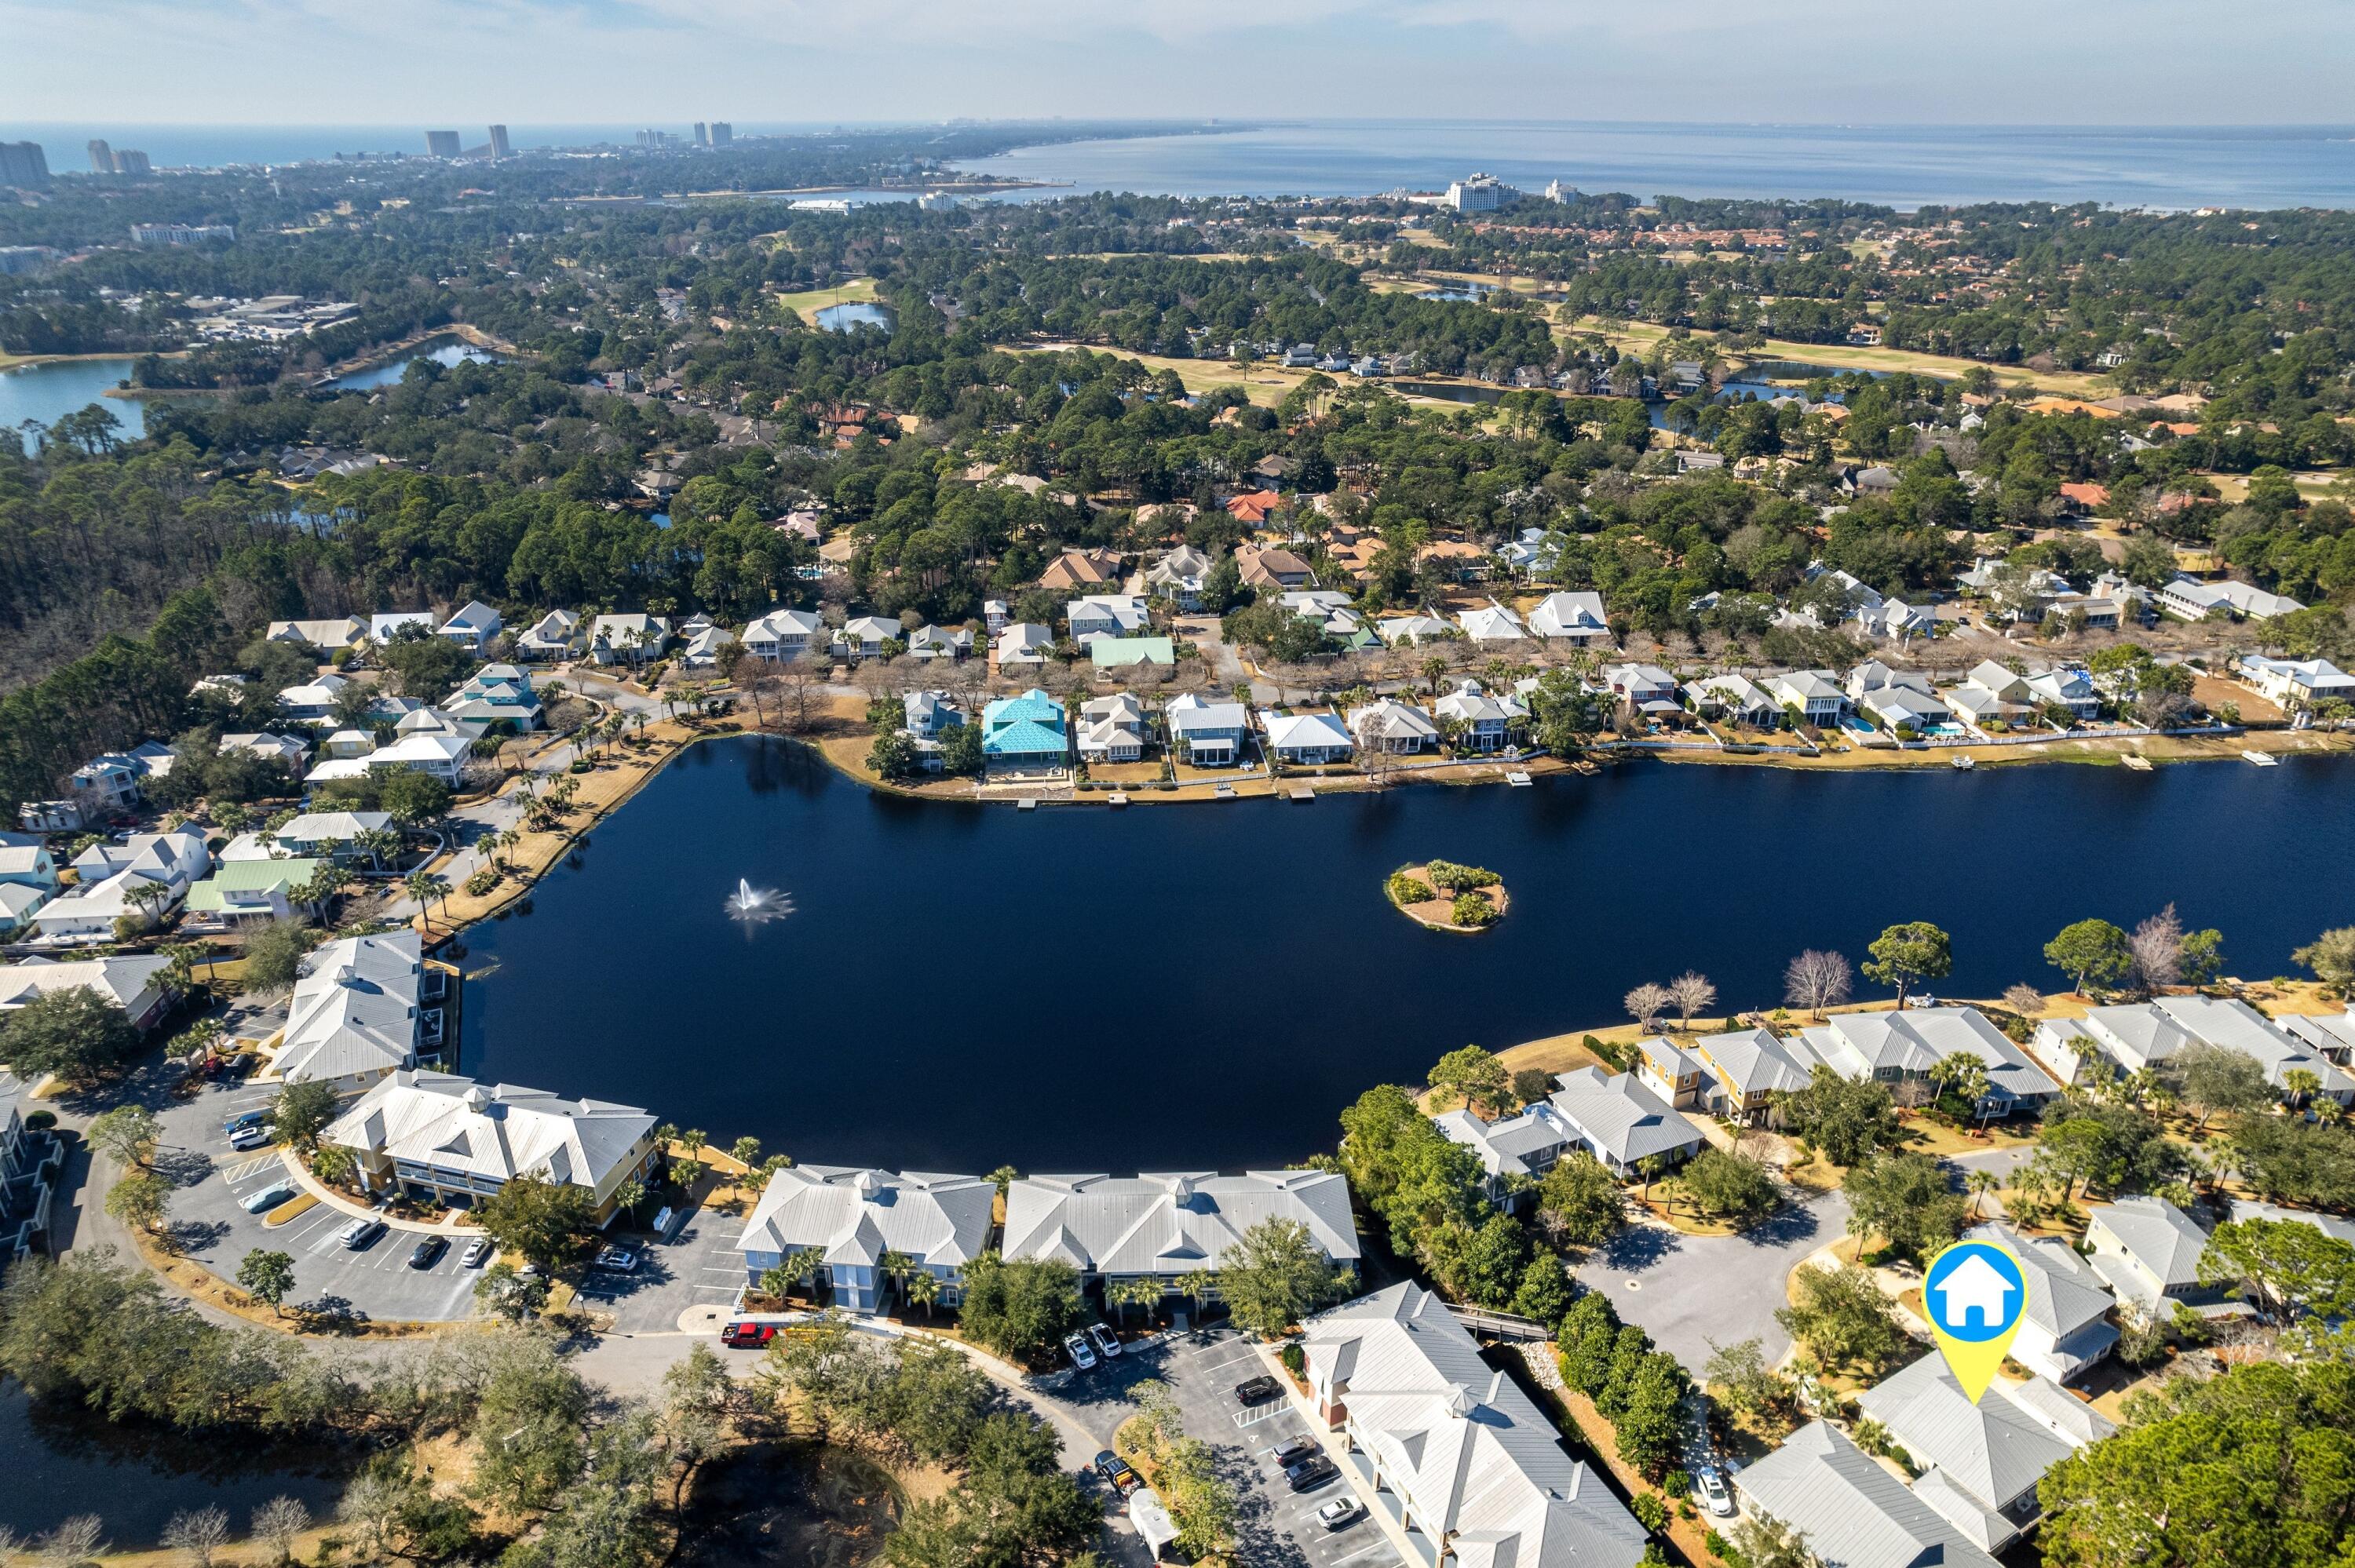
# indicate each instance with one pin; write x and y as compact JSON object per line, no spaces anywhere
{"x":852,"y":1217}
{"x":2065,"y":1327}
{"x":1900,"y":1048}
{"x":313,"y":702}
{"x":930,"y":715}
{"x":2149,"y":1251}
{"x":1735,"y":697}
{"x":628,"y":639}
{"x":929,"y":642}
{"x":1850,"y":1510}
{"x":1493,"y":623}
{"x":2191,"y":599}
{"x":133,"y":982}
{"x":1111,"y":729}
{"x":1167,"y":1226}
{"x":1024,"y":644}
{"x":473,"y":626}
{"x":285,"y":749}
{"x":1389,"y":725}
{"x":1619,"y":1120}
{"x":1413,"y":630}
{"x":2066,"y":687}
{"x":1206,"y":734}
{"x":440,"y":754}
{"x":1575,"y":618}
{"x":1487,"y":722}
{"x":863,"y":637}
{"x":1105,"y":615}
{"x":382,"y":628}
{"x":557,"y":635}
{"x":310,"y":836}
{"x":1450,"y":1448}
{"x":1305,"y":741}
{"x":319,"y":636}
{"x":781,"y":635}
{"x":1180,"y":577}
{"x":2297,"y":683}
{"x":355,"y":1014}
{"x":111,"y":877}
{"x":1644,"y":688}
{"x":2128,"y":1037}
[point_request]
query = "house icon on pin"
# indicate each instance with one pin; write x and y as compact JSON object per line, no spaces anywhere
{"x":1973,"y":1286}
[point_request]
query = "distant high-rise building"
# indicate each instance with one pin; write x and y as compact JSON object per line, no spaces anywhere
{"x":23,"y":164}
{"x":499,"y":148}
{"x":442,"y":143}
{"x":131,"y":164}
{"x":702,"y":134}
{"x":723,"y":133}
{"x":101,"y":157}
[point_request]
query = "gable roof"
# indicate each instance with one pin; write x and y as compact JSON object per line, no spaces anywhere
{"x":2157,"y":1235}
{"x":2064,"y":1294}
{"x":503,"y":1130}
{"x":1173,"y":1222}
{"x":853,"y":1214}
{"x":1852,"y":1512}
{"x":1994,"y":1449}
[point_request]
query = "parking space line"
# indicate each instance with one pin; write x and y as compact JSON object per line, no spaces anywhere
{"x":1362,"y":1551}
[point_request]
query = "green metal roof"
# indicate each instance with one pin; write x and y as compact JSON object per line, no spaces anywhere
{"x":1118,"y":653}
{"x":250,"y":876}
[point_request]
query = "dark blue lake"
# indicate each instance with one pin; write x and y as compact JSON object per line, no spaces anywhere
{"x":1198,"y":986}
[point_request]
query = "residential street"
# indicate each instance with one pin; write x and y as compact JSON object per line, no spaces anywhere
{"x":1686,"y":1292}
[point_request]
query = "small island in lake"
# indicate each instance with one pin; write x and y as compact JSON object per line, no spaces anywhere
{"x":1446,"y":897}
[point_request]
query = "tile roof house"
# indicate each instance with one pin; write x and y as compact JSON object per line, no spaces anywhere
{"x":1272,"y":569}
{"x":1451,"y":1448}
{"x":1169,"y":1225}
{"x":2064,"y":1328}
{"x":1851,"y":1511}
{"x":1981,"y":1462}
{"x":851,"y":1217}
{"x":1205,"y":733}
{"x":1254,"y":506}
{"x":1081,"y":569}
{"x":355,"y":1013}
{"x":1027,"y":731}
{"x":452,"y":1138}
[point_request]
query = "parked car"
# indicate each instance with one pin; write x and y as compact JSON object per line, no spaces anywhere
{"x":243,"y":1065}
{"x":618,"y":1260}
{"x":247,"y":1138}
{"x":477,"y":1253}
{"x":360,"y":1233}
{"x":748,"y":1336}
{"x":1340,"y":1513}
{"x":1107,"y":1343}
{"x":1116,"y":1473}
{"x":1714,"y":1491}
{"x":1076,"y":1346}
{"x":1257,"y":1390}
{"x":268,"y":1198}
{"x":244,"y":1119}
{"x":428,"y":1253}
{"x":1311,"y":1473}
{"x":1293,"y":1452}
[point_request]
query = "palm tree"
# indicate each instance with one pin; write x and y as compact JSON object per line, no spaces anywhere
{"x":1979,"y":1185}
{"x":1435,"y":669}
{"x":2302,"y":1084}
{"x":922,"y":1290}
{"x":1651,"y":1169}
{"x":379,"y":843}
{"x":425,"y":886}
{"x":895,"y":1266}
{"x":180,"y":966}
{"x":1135,"y":1291}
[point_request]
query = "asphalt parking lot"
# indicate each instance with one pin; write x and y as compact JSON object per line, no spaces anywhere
{"x":211,"y":1182}
{"x":698,"y":1267}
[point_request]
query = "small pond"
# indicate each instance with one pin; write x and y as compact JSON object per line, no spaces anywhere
{"x":447,"y":353}
{"x":856,"y":313}
{"x":47,"y":392}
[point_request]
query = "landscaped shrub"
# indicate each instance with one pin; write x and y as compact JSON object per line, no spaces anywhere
{"x":482,"y":882}
{"x":1472,"y":910}
{"x":1294,"y":1359}
{"x":1458,"y":878}
{"x":1405,"y":889}
{"x":1649,"y":1510}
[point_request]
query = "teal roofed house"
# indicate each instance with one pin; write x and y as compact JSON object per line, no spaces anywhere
{"x":1027,"y":731}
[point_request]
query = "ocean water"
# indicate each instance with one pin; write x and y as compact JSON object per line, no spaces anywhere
{"x":1899,"y":166}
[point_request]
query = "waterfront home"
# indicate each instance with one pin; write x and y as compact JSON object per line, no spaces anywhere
{"x":113,"y":877}
{"x":632,"y":639}
{"x":1205,"y":733}
{"x":321,"y":637}
{"x":355,"y":1014}
{"x":927,"y":643}
{"x":1644,"y":688}
{"x":382,"y":628}
{"x":1486,"y":723}
{"x":1850,"y":1510}
{"x":1112,"y":729}
{"x":1462,"y":1462}
{"x":2331,"y":1034}
{"x":313,"y":835}
{"x":1902,"y":708}
{"x":557,"y":635}
{"x":1671,"y":1072}
{"x":1413,"y":630}
{"x":1979,"y":1461}
{"x":2065,"y":687}
{"x":242,"y":891}
{"x":1081,"y":569}
{"x":864,"y":637}
{"x":449,"y":1139}
{"x":17,"y":903}
{"x":439,"y":754}
{"x":131,"y":981}
{"x":1492,"y":622}
{"x":1751,"y":1066}
{"x":1178,"y":577}
{"x":1023,"y":731}
{"x":1978,"y":707}
{"x":1619,"y":1120}
{"x":859,"y":1221}
{"x":2005,"y":685}
{"x":2294,"y":684}
{"x":26,"y":862}
{"x":1736,"y":698}
{"x":2191,"y":600}
{"x":2064,"y":1329}
{"x":1575,"y":618}
{"x":2128,"y":1037}
{"x":1170,"y":1225}
{"x":1902,"y":1047}
{"x":284,"y":749}
{"x":1305,"y":741}
{"x":313,"y":702}
{"x":1389,"y":725}
{"x":474,"y":627}
{"x":2149,"y":1251}
{"x":781,"y":635}
{"x":1263,"y":568}
{"x":1024,"y":642}
{"x":1108,"y":655}
{"x":1813,"y":693}
{"x":928,"y":715}
{"x":495,"y":694}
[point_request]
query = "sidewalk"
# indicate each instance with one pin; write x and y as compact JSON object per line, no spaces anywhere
{"x":451,"y":1224}
{"x":1336,"y":1447}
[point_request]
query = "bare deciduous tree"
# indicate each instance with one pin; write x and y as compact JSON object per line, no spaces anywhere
{"x":2024,"y":1000}
{"x":77,"y":1539}
{"x":1690,"y":991}
{"x":1817,"y":979}
{"x":201,"y":1533}
{"x":798,"y":683}
{"x":279,"y":1521}
{"x":1647,"y":1002}
{"x":2157,"y":949}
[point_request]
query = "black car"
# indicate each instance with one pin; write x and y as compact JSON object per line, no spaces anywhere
{"x":1257,"y":1391}
{"x":428,"y":1252}
{"x":1115,"y":1472}
{"x":1310,"y":1473}
{"x":1295,"y":1451}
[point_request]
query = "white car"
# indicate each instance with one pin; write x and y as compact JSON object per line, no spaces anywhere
{"x":477,"y":1253}
{"x":1714,"y":1491}
{"x":268,"y":1198}
{"x":1340,"y":1513}
{"x":247,"y":1138}
{"x":1076,"y":1346}
{"x":1107,"y":1343}
{"x":359,"y":1232}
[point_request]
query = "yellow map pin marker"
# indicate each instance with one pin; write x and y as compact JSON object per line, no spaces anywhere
{"x":1974,"y":1294}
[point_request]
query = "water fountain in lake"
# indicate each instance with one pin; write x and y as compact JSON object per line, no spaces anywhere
{"x":750,"y":905}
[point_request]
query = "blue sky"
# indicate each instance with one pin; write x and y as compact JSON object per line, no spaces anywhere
{"x":406,"y":62}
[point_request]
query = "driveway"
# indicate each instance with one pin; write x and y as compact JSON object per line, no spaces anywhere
{"x":1685,"y":1290}
{"x":698,"y":1267}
